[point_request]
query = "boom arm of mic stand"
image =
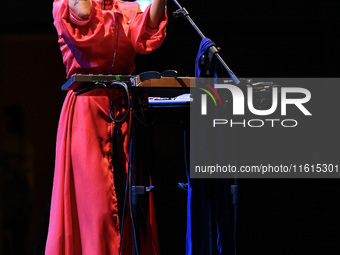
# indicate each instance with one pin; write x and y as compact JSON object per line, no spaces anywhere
{"x":182,"y":12}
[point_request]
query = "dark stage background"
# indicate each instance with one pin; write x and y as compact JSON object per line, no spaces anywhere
{"x":259,"y":38}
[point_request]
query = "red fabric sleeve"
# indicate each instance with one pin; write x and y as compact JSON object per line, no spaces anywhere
{"x":144,"y":38}
{"x":81,"y":32}
{"x":88,"y":45}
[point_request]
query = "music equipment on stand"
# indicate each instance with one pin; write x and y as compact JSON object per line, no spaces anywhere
{"x":157,"y":92}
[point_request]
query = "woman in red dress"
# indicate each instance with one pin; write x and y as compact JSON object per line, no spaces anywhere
{"x":96,"y":37}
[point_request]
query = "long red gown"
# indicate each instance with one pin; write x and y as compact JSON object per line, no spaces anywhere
{"x":84,"y":212}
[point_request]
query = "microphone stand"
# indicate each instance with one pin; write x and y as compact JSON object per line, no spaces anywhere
{"x":213,"y":51}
